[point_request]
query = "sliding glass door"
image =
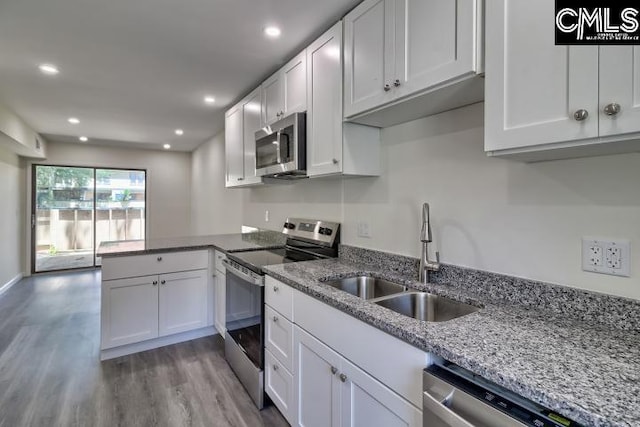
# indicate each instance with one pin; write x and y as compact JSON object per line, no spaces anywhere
{"x":76,"y":208}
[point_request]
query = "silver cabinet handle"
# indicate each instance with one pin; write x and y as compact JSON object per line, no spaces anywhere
{"x":275,"y":289}
{"x":581,"y":115}
{"x":334,"y":370}
{"x":387,"y":88}
{"x":275,"y":367}
{"x":396,"y":83}
{"x":159,"y":258}
{"x":282,"y":113}
{"x":155,"y":282}
{"x":163,"y":282}
{"x":240,"y":179}
{"x":343,"y":377}
{"x":612,"y":109}
{"x":335,"y":161}
{"x":275,"y":319}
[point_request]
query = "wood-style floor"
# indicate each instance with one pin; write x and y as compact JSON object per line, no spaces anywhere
{"x":50,"y":373}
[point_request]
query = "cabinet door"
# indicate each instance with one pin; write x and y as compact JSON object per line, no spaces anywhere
{"x":620,"y":84}
{"x":324,"y":121}
{"x":532,"y":87}
{"x":369,"y":53}
{"x":221,"y":302}
{"x":129,"y":311}
{"x":252,"y":122}
{"x":183,"y":302}
{"x":294,"y":80}
{"x":272,"y":102}
{"x":233,"y":146}
{"x":278,"y":384}
{"x":367,"y":402}
{"x":435,"y":43}
{"x":317,"y":388}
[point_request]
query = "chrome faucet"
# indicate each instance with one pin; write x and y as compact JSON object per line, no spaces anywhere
{"x":427,"y":265}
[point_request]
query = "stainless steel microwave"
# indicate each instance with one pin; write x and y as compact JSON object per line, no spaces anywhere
{"x":281,"y":150}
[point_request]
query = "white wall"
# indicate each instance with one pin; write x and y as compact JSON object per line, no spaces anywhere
{"x":11,"y":216}
{"x":215,"y":210}
{"x":491,"y":214}
{"x":168,"y":180}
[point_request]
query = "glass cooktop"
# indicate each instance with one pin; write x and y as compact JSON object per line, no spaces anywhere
{"x":255,"y":260}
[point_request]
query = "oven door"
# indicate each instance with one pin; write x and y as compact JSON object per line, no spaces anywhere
{"x":244,"y":313}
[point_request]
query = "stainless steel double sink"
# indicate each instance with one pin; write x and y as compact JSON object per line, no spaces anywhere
{"x":422,"y":306}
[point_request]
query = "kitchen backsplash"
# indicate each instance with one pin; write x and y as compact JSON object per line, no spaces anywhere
{"x":592,"y":307}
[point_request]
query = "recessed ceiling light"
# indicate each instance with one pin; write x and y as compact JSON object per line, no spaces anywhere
{"x":73,"y":120}
{"x":179,"y":132}
{"x":49,"y":69}
{"x":83,"y":139}
{"x":166,"y":146}
{"x":209,"y":99}
{"x":272,"y":32}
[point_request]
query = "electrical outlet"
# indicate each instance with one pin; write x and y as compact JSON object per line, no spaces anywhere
{"x":363,"y":230}
{"x":606,"y":256}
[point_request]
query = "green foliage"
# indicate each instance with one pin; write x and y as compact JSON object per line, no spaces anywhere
{"x":48,"y":177}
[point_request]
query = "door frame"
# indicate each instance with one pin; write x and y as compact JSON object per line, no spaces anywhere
{"x":31,"y":212}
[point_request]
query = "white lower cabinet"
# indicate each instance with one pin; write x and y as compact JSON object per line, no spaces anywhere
{"x":129,"y":310}
{"x":182,"y":301}
{"x":157,"y":306}
{"x":332,"y":391}
{"x":319,"y":375}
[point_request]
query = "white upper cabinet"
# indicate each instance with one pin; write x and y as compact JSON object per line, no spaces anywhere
{"x":285,"y":92}
{"x":241,"y":123}
{"x":369,"y":56}
{"x":398,"y":51}
{"x":549,"y":102}
{"x":233,"y":144}
{"x":251,"y":123}
{"x":619,"y":84}
{"x":334,"y":147}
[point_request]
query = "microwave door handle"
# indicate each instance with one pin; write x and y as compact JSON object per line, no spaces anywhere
{"x":278,"y":155}
{"x":433,"y":407}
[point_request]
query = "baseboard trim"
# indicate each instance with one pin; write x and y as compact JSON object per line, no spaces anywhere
{"x":125,"y":350}
{"x":4,"y":288}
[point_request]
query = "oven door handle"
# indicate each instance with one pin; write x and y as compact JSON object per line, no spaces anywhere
{"x":241,"y":274}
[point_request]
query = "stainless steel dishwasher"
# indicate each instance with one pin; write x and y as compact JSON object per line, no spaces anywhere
{"x":455,"y":397}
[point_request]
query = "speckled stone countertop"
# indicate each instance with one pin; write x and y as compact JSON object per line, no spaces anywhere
{"x":589,"y":373}
{"x":237,"y":242}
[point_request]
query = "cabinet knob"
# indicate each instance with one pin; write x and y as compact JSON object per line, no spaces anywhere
{"x":155,"y":282}
{"x":335,"y":161}
{"x":387,"y":88}
{"x":163,"y":282}
{"x":275,"y":289}
{"x":275,"y":367}
{"x":612,"y":109}
{"x":159,"y":258}
{"x":281,"y":113}
{"x":240,"y":179}
{"x":275,"y":318}
{"x":343,"y":377}
{"x":396,"y":83}
{"x":581,"y":115}
{"x":334,"y":370}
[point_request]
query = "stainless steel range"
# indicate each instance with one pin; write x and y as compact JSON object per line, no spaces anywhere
{"x":244,"y":341}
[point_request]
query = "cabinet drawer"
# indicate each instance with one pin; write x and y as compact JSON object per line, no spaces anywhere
{"x":219,"y":257}
{"x":160,"y":263}
{"x":279,"y":336}
{"x":279,"y":386}
{"x":279,"y":297}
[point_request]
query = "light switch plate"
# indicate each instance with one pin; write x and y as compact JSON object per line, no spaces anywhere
{"x":606,"y":256}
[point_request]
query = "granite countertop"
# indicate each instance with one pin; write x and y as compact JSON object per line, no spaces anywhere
{"x":589,"y":373}
{"x":236,"y":242}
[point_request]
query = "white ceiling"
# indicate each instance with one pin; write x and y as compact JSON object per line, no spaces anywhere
{"x":133,"y":71}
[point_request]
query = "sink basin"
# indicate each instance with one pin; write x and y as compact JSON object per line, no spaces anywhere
{"x":367,"y":287}
{"x":427,"y":307}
